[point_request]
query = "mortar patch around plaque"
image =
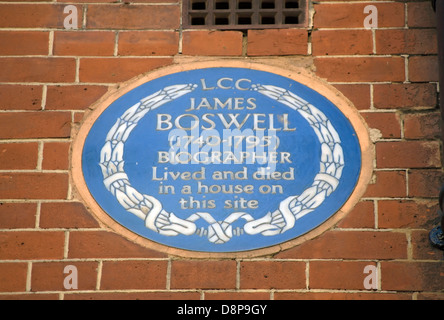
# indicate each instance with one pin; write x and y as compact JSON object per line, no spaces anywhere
{"x":220,"y":159}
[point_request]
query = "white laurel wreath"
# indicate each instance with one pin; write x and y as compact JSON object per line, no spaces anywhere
{"x":156,"y":218}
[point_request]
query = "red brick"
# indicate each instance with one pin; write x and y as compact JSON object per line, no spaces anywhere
{"x":413,"y":41}
{"x":430,"y":296}
{"x":272,"y":275}
{"x":351,"y":15}
{"x":17,"y":97}
{"x":423,"y":68}
{"x":237,"y":295}
{"x":31,"y":296}
{"x":212,"y":43}
{"x":342,"y":42}
{"x":66,"y":215}
{"x":412,"y":95}
{"x":361,"y":69}
{"x":18,"y":125}
{"x":31,"y":15}
{"x":102,"y":244}
{"x":154,"y":295}
{"x":111,"y":70}
{"x":421,"y":247}
{"x":388,"y":123}
{"x":78,"y":97}
{"x":425,"y":183}
{"x":188,"y":274}
{"x":362,"y":216}
{"x":33,"y":185}
{"x":50,"y":276}
{"x":277,"y":42}
{"x":403,"y":214}
{"x":56,"y":156}
{"x":17,"y":215}
{"x":387,"y":184}
{"x":351,"y":245}
{"x":345,"y":275}
{"x":422,"y":125}
{"x":24,"y":43}
{"x":148,"y":43}
{"x":31,"y":245}
{"x":18,"y":156}
{"x":13,"y":277}
{"x":37,"y":69}
{"x":412,"y":276}
{"x":421,"y":15}
{"x":341,"y":296}
{"x":133,"y":17}
{"x":125,"y":275}
{"x":84,"y":43}
{"x":358,"y":94}
{"x":408,"y":154}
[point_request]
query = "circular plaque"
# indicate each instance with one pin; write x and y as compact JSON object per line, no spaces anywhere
{"x":221,"y":158}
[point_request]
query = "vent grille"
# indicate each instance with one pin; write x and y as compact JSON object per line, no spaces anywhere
{"x":244,"y":14}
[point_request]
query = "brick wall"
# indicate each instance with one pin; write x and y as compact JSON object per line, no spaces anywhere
{"x":50,"y":76}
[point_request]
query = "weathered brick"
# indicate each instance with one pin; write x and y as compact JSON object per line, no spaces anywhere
{"x":345,"y":275}
{"x":212,"y":43}
{"x":13,"y":277}
{"x":56,"y":156}
{"x":277,"y":42}
{"x":18,"y":156}
{"x":102,"y":244}
{"x":47,"y":124}
{"x":148,"y":43}
{"x":33,"y":185}
{"x":111,"y":70}
{"x":403,"y":214}
{"x":388,"y":123}
{"x":32,"y":15}
{"x":124,"y":275}
{"x":50,"y":276}
{"x":17,"y":215}
{"x":133,"y":17}
{"x":188,"y":274}
{"x":272,"y":275}
{"x":425,"y":183}
{"x":412,"y":276}
{"x":412,"y":95}
{"x":341,"y":296}
{"x":349,"y":244}
{"x":413,"y":41}
{"x":423,"y":68}
{"x":408,"y":154}
{"x":362,"y":216}
{"x":24,"y":42}
{"x":361,"y":69}
{"x":422,"y":125}
{"x":342,"y":42}
{"x":387,"y":184}
{"x":20,"y":97}
{"x":421,"y":15}
{"x":358,"y":94}
{"x":66,"y":215}
{"x":152,"y":295}
{"x":84,"y":43}
{"x":37,"y":69}
{"x":31,"y":245}
{"x":421,"y":246}
{"x":78,"y":97}
{"x":237,"y":295}
{"x":351,"y":15}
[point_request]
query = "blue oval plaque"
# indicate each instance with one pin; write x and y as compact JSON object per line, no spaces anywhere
{"x":221,"y":159}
